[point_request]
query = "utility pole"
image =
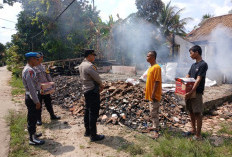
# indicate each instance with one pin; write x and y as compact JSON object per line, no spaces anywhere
{"x":173,"y":45}
{"x":93,"y":4}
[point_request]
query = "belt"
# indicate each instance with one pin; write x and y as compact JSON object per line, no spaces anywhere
{"x":28,"y":93}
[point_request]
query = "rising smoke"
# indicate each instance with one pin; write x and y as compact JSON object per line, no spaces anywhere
{"x":219,"y":54}
{"x":134,"y":37}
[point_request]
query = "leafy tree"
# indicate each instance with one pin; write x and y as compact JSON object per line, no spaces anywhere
{"x":2,"y":53}
{"x":170,"y":21}
{"x":10,"y":2}
{"x":14,"y":61}
{"x":62,"y":38}
{"x":39,"y":29}
{"x":2,"y":48}
{"x":102,"y":38}
{"x":166,"y":17}
{"x":149,"y":9}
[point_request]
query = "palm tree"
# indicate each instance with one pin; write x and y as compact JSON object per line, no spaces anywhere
{"x":204,"y":18}
{"x":170,"y":21}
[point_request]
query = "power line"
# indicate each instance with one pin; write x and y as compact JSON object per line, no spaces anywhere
{"x":7,"y":20}
{"x":7,"y":28}
{"x":64,"y":10}
{"x":55,"y":19}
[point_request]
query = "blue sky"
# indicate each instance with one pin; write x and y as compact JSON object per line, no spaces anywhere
{"x":193,"y":8}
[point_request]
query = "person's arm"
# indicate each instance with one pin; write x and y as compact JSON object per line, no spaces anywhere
{"x":45,"y":71}
{"x":33,"y":93}
{"x":202,"y":73}
{"x":94,"y":74}
{"x":157,"y":79}
{"x":154,"y":89}
{"x":196,"y":84}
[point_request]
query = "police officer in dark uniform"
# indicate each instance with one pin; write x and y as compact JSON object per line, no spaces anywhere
{"x":92,"y":86}
{"x":32,"y":96}
{"x":43,"y":77}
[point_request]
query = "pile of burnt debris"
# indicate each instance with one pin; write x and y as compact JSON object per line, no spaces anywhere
{"x":121,"y":103}
{"x":68,"y":91}
{"x":69,"y":67}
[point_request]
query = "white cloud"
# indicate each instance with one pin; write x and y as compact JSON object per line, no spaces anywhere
{"x":125,"y":8}
{"x":166,"y":1}
{"x":114,"y":7}
{"x":191,"y":24}
{"x":9,"y":13}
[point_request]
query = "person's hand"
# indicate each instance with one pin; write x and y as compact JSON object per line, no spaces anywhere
{"x":187,"y":95}
{"x":42,"y":92}
{"x":101,"y":88}
{"x":153,"y":97}
{"x":38,"y":106}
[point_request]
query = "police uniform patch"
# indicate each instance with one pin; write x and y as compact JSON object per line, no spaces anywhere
{"x":32,"y":74}
{"x":47,"y":71}
{"x":94,"y":67}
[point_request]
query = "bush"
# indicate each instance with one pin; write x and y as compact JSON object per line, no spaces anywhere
{"x":17,"y":71}
{"x":14,"y":61}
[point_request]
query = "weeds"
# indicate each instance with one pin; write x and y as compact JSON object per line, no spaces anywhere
{"x":17,"y":86}
{"x":18,"y":144}
{"x":226,"y":129}
{"x":132,"y":148}
{"x":174,"y":145}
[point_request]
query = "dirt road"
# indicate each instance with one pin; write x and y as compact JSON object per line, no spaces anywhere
{"x":5,"y":105}
{"x":64,"y":138}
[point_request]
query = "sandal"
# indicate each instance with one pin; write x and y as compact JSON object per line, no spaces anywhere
{"x":195,"y":138}
{"x":189,"y":133}
{"x":155,"y":135}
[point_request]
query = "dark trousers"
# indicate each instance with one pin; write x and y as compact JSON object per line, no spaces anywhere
{"x":92,"y":106}
{"x":48,"y":104}
{"x":31,"y":115}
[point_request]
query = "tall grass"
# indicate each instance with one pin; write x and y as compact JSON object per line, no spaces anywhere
{"x":174,"y":145}
{"x":19,"y":146}
{"x":17,"y":86}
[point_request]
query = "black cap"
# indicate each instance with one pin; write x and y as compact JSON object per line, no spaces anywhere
{"x":88,"y":52}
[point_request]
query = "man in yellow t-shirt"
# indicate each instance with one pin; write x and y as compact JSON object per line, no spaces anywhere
{"x":153,"y":90}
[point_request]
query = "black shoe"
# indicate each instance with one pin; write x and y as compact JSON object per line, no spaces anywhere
{"x":54,"y":117}
{"x":97,"y":138}
{"x":39,"y":122}
{"x":87,"y":134}
{"x":34,"y":141}
{"x":38,"y":135}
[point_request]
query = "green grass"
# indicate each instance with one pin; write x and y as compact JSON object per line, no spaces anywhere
{"x":17,"y":86}
{"x":19,"y":146}
{"x":133,"y":149}
{"x":226,"y":129}
{"x":174,"y":145}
